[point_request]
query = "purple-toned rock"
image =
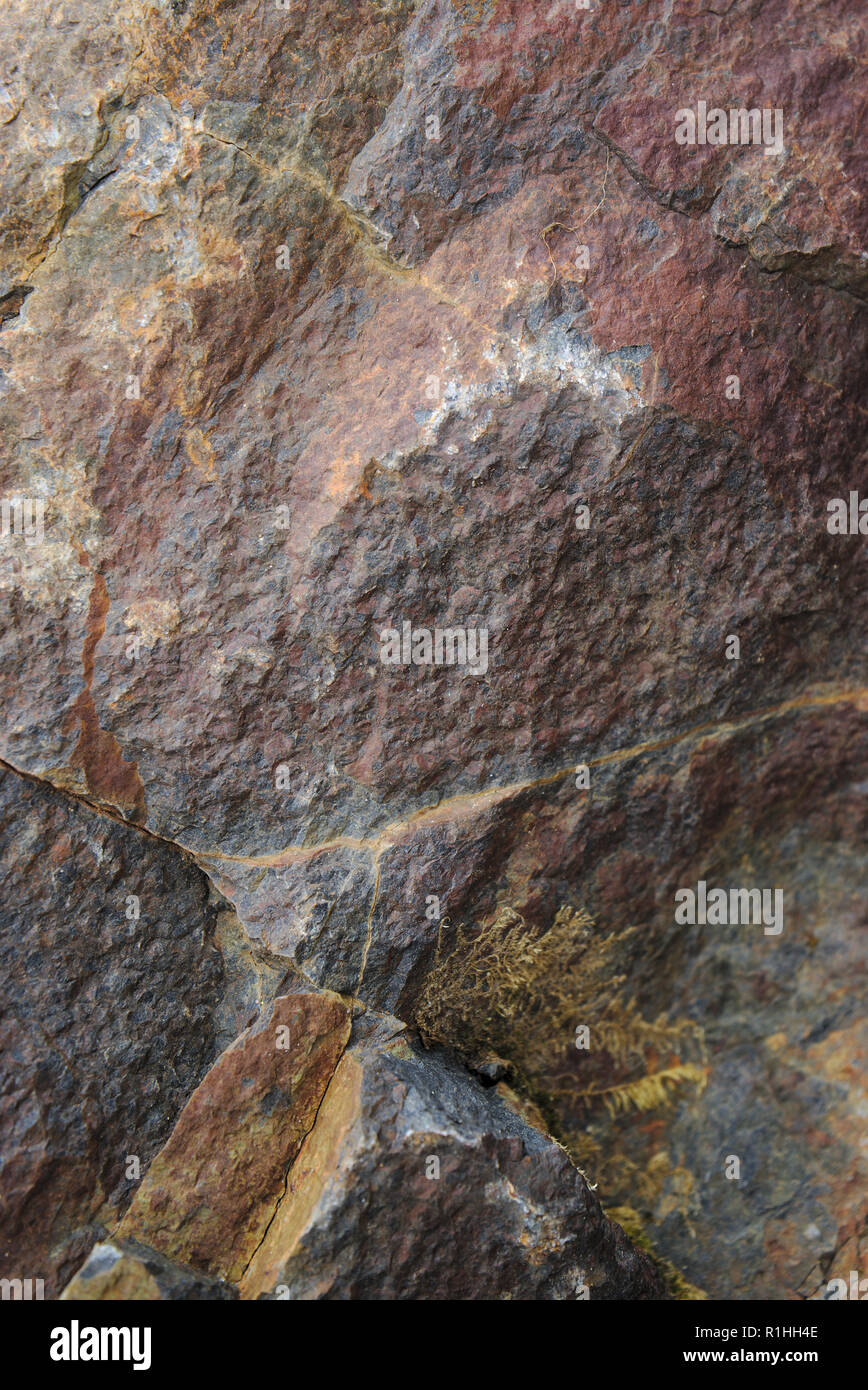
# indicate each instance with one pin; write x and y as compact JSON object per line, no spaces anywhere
{"x":405,"y":405}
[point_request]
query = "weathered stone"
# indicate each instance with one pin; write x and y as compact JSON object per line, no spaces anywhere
{"x":121,"y":983}
{"x":708,"y":514}
{"x":107,"y":1018}
{"x":125,"y":1270}
{"x":783,"y":1015}
{"x":64,"y":74}
{"x":209,"y":1195}
{"x":418,"y":1183}
{"x":318,"y":320}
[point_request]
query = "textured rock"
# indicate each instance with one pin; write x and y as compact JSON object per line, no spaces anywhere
{"x":708,"y":514}
{"x":784,"y":1016}
{"x":109,"y":1020}
{"x":321,"y":319}
{"x":123,"y":1270}
{"x":417,"y":1183}
{"x":209,"y":1195}
{"x":64,"y":72}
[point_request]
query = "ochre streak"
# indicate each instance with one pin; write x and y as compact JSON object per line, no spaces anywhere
{"x":108,"y":776}
{"x":473,"y":802}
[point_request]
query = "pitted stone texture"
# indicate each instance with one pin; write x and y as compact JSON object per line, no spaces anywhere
{"x":107,"y":1019}
{"x":207,"y":1198}
{"x":403,"y":442}
{"x":65,"y":68}
{"x":417,"y":1183}
{"x":780,"y":806}
{"x":308,"y":345}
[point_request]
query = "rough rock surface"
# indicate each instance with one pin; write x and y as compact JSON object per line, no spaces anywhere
{"x":209,"y":1195}
{"x":298,"y":341}
{"x":414,"y":1184}
{"x":784,"y":1016}
{"x":122,"y":1270}
{"x":377,"y":1172}
{"x":108,"y":1023}
{"x":781,"y":802}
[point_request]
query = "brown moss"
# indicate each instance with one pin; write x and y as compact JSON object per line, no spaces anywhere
{"x":521,"y":994}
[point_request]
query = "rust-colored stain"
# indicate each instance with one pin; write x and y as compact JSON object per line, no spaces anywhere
{"x":107,"y":774}
{"x":201,"y":453}
{"x":60,"y":850}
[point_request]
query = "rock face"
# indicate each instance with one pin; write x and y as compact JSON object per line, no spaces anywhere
{"x":331,"y":321}
{"x":123,"y":1270}
{"x":119,"y":987}
{"x":415,"y":1185}
{"x":783,"y":1015}
{"x":210,"y":1194}
{"x":108,"y":1021}
{"x":381,"y":1173}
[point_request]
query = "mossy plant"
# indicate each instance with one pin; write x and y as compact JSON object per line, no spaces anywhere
{"x":513,"y":999}
{"x":552,"y":1005}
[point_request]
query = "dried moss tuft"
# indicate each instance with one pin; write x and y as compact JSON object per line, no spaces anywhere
{"x":508,"y":997}
{"x":520,"y":994}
